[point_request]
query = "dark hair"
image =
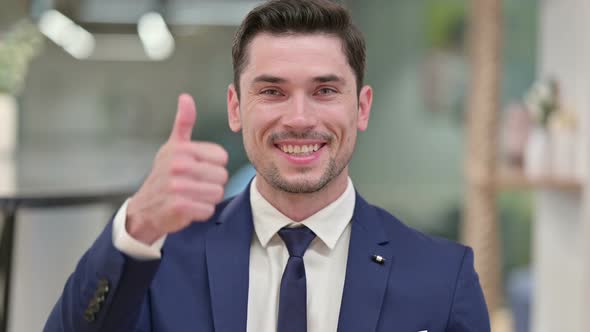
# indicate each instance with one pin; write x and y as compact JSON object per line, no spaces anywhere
{"x":300,"y":17}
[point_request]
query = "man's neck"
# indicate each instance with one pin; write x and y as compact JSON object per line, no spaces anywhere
{"x":299,"y":207}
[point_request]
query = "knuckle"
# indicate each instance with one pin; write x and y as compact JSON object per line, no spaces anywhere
{"x":223,"y":155}
{"x":178,"y":167}
{"x":204,"y":212}
{"x":208,"y":211}
{"x":224,"y":175}
{"x":218,"y":193}
{"x":174,"y":186}
{"x":178,"y":209}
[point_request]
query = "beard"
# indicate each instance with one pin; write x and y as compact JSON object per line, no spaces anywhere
{"x":304,"y":184}
{"x":273,"y":176}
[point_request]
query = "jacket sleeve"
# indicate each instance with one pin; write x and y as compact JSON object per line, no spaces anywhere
{"x":108,"y":291}
{"x":469,"y":312}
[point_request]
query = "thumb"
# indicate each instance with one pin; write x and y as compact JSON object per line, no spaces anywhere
{"x":186,"y":116}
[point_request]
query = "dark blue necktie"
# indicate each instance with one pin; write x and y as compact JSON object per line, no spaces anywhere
{"x":293,"y":297}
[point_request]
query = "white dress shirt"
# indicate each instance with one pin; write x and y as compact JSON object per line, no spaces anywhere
{"x":325,"y":259}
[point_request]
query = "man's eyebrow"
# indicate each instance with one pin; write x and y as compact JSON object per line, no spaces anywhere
{"x":328,"y":78}
{"x":269,"y":79}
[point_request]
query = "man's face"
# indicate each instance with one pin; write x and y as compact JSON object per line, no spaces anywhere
{"x":299,"y":111}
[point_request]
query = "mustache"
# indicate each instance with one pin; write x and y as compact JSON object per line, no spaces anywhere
{"x":310,"y":135}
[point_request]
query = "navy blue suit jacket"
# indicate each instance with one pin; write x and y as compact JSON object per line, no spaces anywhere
{"x":201,"y":282}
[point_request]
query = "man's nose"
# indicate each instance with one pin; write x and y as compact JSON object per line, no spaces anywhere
{"x":300,"y":113}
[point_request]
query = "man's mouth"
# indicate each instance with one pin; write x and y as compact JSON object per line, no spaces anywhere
{"x":300,"y":149}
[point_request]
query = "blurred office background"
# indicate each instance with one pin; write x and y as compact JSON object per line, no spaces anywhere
{"x":97,"y":101}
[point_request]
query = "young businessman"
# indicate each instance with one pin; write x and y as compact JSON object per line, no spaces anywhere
{"x":299,"y":249}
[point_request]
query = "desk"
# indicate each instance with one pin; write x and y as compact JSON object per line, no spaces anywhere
{"x":9,"y":206}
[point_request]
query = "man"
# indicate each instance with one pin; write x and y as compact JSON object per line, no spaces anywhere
{"x":298,"y":249}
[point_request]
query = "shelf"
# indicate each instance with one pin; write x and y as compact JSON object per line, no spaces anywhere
{"x":516,"y":179}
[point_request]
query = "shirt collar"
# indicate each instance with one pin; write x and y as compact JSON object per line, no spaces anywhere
{"x":327,"y":224}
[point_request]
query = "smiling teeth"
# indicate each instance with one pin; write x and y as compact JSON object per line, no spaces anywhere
{"x":300,"y":149}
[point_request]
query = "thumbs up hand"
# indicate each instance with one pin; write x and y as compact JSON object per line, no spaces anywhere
{"x":184,"y":185}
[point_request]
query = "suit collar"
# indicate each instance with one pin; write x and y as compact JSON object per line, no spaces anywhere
{"x":366,"y":280}
{"x":228,"y":257}
{"x":268,"y":220}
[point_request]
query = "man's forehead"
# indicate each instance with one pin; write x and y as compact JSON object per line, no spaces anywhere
{"x":320,"y":53}
{"x":319,"y":41}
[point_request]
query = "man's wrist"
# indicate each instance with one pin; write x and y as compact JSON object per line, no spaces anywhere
{"x":140,"y":229}
{"x":129,"y":245}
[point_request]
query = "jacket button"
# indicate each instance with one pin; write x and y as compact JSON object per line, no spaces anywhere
{"x":103,"y":287}
{"x":102,"y":290}
{"x":94,"y":307}
{"x":89,"y":316}
{"x":98,"y":299}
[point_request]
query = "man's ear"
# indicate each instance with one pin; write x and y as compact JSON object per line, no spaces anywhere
{"x":365,"y":101}
{"x":233,"y":109}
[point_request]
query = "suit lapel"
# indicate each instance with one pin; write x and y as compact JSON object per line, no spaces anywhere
{"x":228,"y":257}
{"x":366,"y":280}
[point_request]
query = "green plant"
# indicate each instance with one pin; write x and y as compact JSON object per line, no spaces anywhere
{"x":542,"y":101}
{"x":446,"y":22}
{"x":17,"y":47}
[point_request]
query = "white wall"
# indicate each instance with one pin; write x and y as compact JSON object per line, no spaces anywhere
{"x":561,"y":236}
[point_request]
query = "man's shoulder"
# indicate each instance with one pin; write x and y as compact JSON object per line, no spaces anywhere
{"x":414,"y":244}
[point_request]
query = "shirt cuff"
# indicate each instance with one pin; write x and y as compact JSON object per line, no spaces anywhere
{"x":130,"y":246}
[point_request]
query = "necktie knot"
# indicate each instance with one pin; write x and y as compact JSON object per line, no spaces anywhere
{"x":297,"y":239}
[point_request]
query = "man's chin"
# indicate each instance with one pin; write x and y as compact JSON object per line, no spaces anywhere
{"x":300,"y":180}
{"x":298,"y":185}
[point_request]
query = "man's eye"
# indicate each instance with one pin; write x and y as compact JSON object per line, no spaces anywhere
{"x":271,"y":92}
{"x":326,"y":91}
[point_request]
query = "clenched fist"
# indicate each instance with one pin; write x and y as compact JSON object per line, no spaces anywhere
{"x":184,"y":185}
